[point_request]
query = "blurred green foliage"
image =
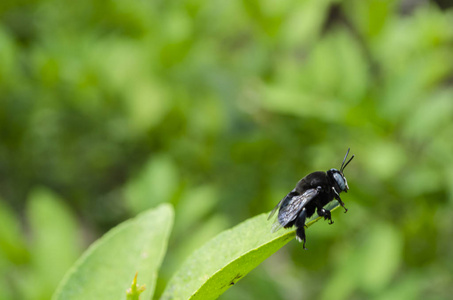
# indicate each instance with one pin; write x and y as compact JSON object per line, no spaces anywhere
{"x":219,"y":107}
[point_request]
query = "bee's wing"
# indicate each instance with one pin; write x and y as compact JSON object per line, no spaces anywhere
{"x":276,"y":226}
{"x":290,"y":195}
{"x":290,"y":207}
{"x":275,"y":209}
{"x":293,"y":192}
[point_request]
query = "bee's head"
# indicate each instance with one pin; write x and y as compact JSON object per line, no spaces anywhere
{"x":339,"y":181}
{"x":337,"y":177}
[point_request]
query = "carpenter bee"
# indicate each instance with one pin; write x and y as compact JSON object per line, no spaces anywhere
{"x":311,"y":193}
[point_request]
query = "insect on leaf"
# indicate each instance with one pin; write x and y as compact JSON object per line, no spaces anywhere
{"x":228,"y":257}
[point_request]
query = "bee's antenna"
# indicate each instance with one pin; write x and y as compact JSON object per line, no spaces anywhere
{"x":343,"y":165}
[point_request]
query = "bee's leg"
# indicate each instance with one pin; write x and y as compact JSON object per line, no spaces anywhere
{"x":300,"y":224}
{"x":326,"y":214}
{"x":337,"y":196}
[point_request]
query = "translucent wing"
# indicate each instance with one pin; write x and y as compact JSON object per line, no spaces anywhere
{"x":289,"y":210}
{"x":293,"y":192}
{"x":290,"y":207}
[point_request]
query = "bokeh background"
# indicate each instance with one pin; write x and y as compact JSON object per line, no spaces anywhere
{"x":219,"y":107}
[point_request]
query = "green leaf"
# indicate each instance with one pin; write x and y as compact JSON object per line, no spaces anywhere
{"x":228,"y":257}
{"x":382,"y":254}
{"x":12,"y":243}
{"x":154,"y":185}
{"x":106,"y":268}
{"x":54,"y":238}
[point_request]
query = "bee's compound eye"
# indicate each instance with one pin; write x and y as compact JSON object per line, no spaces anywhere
{"x":340,"y":181}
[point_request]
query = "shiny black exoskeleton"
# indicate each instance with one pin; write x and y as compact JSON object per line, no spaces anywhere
{"x":311,"y":194}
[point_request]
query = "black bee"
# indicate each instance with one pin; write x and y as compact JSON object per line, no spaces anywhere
{"x":311,"y":193}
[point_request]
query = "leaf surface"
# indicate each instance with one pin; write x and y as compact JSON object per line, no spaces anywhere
{"x":107,"y":268}
{"x":228,"y":257}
